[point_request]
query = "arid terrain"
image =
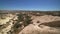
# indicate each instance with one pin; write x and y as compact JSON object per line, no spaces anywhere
{"x":29,"y":22}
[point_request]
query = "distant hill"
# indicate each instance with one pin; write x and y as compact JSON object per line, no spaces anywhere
{"x":54,"y":13}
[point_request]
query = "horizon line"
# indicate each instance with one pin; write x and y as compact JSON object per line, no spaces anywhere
{"x":27,"y":10}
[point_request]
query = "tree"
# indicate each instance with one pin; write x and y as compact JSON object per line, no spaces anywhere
{"x":27,"y":21}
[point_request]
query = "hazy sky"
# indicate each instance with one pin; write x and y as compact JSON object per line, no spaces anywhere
{"x":30,"y":4}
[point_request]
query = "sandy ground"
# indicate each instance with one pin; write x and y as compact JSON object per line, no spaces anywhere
{"x":45,"y":18}
{"x":3,"y":21}
{"x":35,"y":29}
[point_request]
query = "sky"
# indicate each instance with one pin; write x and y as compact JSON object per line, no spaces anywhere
{"x":44,"y":5}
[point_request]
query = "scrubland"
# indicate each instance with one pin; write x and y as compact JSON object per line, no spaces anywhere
{"x":30,"y":22}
